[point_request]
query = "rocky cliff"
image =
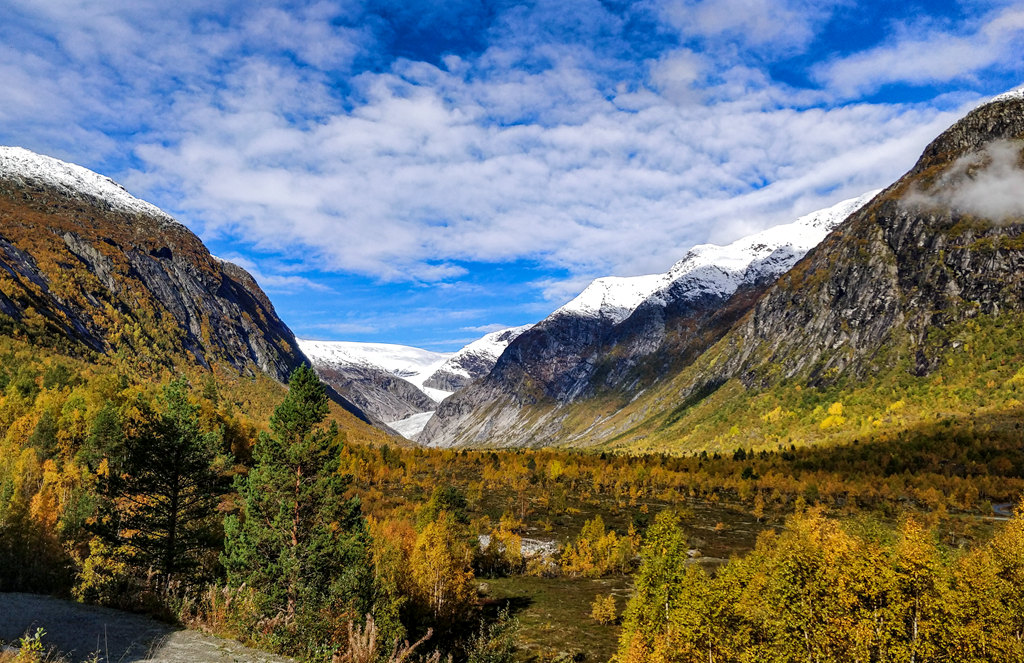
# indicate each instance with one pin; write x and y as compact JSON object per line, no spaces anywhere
{"x":914,"y":282}
{"x":87,"y":267}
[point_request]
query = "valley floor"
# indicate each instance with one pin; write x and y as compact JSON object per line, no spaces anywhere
{"x":554,"y":614}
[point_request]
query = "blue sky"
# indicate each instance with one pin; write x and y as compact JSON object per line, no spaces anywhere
{"x":424,"y":172}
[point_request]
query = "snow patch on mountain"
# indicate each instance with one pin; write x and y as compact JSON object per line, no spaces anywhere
{"x":464,"y":363}
{"x":1009,"y":95}
{"x":75,"y":181}
{"x":711,"y":269}
{"x":613,"y":297}
{"x":400,"y":360}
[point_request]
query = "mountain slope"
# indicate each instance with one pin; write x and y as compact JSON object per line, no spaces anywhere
{"x":912,"y":309}
{"x":620,"y":336}
{"x":473,"y":361}
{"x":87,"y":268}
{"x":398,"y":385}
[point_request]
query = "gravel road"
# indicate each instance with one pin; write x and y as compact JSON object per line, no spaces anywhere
{"x":78,"y":631}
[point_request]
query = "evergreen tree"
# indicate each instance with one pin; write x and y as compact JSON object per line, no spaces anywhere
{"x":166,"y":493}
{"x":298,"y":543}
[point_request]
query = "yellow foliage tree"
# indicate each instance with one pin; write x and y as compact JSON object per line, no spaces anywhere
{"x":441,"y":568}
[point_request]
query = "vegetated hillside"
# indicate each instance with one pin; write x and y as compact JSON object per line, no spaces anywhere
{"x":90,"y":271}
{"x":620,"y":337}
{"x":911,"y":311}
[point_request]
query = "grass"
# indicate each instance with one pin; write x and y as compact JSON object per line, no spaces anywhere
{"x":554,"y":615}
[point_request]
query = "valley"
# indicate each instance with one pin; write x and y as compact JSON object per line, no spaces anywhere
{"x":801,"y":445}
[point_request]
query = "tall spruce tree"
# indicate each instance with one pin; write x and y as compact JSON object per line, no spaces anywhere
{"x":298,"y":542}
{"x":166,"y":491}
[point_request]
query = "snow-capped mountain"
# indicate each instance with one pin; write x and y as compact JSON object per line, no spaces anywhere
{"x":400,"y":385}
{"x":622,"y":333}
{"x":710,"y":269}
{"x":20,"y":165}
{"x":473,"y":361}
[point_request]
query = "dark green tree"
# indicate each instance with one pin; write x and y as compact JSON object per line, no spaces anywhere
{"x":44,"y":437}
{"x":166,"y":492}
{"x":106,"y":439}
{"x":298,"y":542}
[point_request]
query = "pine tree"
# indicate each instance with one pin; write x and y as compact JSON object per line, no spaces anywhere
{"x":298,"y":542}
{"x":166,"y":493}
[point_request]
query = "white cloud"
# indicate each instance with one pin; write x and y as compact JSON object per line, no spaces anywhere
{"x":418,"y":179}
{"x":922,"y":54}
{"x":986,"y":184}
{"x":485,"y":329}
{"x":274,"y":282}
{"x":342,"y":328}
{"x":675,"y":73}
{"x":780,"y":26}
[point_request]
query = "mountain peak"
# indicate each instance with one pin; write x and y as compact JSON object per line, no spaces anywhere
{"x":72,"y":180}
{"x":612,"y":297}
{"x":473,"y":361}
{"x":1015,"y":93}
{"x":712,"y":269}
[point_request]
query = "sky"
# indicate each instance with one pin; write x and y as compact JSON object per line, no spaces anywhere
{"x":425,"y":172}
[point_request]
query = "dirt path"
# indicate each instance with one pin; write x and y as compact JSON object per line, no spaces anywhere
{"x":78,"y":631}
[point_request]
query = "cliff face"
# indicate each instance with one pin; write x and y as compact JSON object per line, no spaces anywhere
{"x":927,"y":253}
{"x":82,"y":261}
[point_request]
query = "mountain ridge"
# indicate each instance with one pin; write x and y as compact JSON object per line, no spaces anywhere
{"x":620,"y":334}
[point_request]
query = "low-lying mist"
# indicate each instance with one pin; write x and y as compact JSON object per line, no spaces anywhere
{"x":987,"y":184}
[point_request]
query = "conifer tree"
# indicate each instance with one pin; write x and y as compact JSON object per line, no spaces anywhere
{"x":298,"y":542}
{"x":166,"y":491}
